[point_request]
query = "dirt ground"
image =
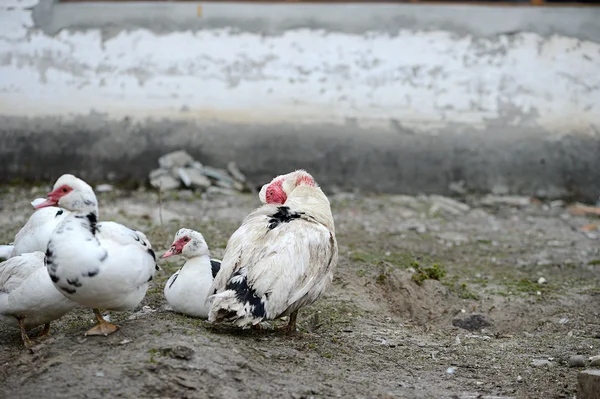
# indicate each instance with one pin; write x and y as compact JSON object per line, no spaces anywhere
{"x":485,"y":329}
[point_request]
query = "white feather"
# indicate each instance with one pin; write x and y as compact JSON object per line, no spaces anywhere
{"x":287,"y":267}
{"x":26,"y":291}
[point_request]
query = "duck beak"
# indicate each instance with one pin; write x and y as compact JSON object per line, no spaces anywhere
{"x":170,"y":252}
{"x":48,"y":202}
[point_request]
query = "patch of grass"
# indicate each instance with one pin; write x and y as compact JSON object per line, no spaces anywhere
{"x":361,"y":273}
{"x":435,"y":272}
{"x":465,"y":293}
{"x":594,"y":262}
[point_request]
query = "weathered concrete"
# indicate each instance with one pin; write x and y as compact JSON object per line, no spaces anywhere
{"x":276,"y":19}
{"x":399,"y":98}
{"x":344,"y":156}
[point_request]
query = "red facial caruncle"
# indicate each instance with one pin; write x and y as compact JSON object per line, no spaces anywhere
{"x":55,"y":196}
{"x":275,"y":194}
{"x":176,"y":247}
{"x":304,"y":179}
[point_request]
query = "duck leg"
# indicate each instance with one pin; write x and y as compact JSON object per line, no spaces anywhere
{"x":103,"y":327}
{"x":291,"y":326}
{"x":45,"y":331}
{"x":24,"y":335}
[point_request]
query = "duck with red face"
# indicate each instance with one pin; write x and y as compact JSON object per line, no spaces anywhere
{"x":280,"y":259}
{"x":186,"y":291}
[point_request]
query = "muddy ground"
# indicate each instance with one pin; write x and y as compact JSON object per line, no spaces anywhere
{"x":485,"y":329}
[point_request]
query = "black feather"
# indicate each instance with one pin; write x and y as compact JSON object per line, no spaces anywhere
{"x":283,"y":215}
{"x":215,"y":266}
{"x":246,"y":294}
{"x":93,"y":219}
{"x":174,"y":278}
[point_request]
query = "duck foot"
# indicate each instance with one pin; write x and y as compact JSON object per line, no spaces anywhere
{"x":24,"y":336}
{"x":103,"y":327}
{"x":45,"y":332}
{"x":290,"y":328}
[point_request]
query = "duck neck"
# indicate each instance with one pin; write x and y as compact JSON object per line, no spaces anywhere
{"x":200,"y":263}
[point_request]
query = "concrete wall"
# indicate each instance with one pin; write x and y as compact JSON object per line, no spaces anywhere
{"x":404,"y":98}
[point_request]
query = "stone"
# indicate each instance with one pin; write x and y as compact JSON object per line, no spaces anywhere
{"x":175,"y":159}
{"x":577,"y":361}
{"x":235,"y":172}
{"x":218,"y":191}
{"x":454,"y":237}
{"x":541,"y":363}
{"x":179,"y":352}
{"x":510,"y":200}
{"x":104,"y":188}
{"x":595,"y":361}
{"x":542,"y":280}
{"x":472,"y":323}
{"x":192,"y":177}
{"x":217,"y":174}
{"x":162,"y":180}
{"x":588,"y":384}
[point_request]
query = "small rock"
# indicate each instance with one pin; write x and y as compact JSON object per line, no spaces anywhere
{"x":595,"y":361}
{"x":161,"y":179}
{"x":217,"y":174}
{"x":179,"y":352}
{"x":100,"y":374}
{"x":472,"y":323}
{"x":450,"y":370}
{"x":541,"y":280}
{"x":577,"y":361}
{"x":458,"y":187}
{"x":588,"y":382}
{"x":448,"y":205}
{"x":541,"y":363}
{"x":519,"y":378}
{"x":235,"y":172}
{"x":454,"y":237}
{"x":217,"y":191}
{"x":104,"y":188}
{"x":175,"y":159}
{"x":495,"y":200}
{"x":194,"y":178}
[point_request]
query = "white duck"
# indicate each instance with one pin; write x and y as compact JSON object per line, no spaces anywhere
{"x":99,"y":265}
{"x":27,"y":295}
{"x":35,"y":234}
{"x":280,"y":259}
{"x":187,"y":290}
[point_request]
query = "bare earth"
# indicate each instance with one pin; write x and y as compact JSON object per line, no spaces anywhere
{"x":485,"y":329}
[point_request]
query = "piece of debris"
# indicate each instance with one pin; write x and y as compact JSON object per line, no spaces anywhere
{"x":589,"y":227}
{"x":104,"y":188}
{"x":577,"y":361}
{"x":472,"y":323}
{"x":588,"y":382}
{"x":541,"y":363}
{"x":179,"y":170}
{"x":510,"y":200}
{"x":542,"y":280}
{"x":583,"y":210}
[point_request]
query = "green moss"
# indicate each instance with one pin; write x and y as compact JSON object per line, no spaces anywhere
{"x":421,"y":274}
{"x":594,"y":262}
{"x":465,"y":293}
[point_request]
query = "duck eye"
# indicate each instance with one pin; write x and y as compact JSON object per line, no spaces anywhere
{"x":65,"y":190}
{"x":186,"y":239}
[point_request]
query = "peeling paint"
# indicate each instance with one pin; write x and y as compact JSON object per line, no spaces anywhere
{"x":422,"y":80}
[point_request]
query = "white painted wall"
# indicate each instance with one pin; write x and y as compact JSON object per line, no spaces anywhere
{"x":423,"y":80}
